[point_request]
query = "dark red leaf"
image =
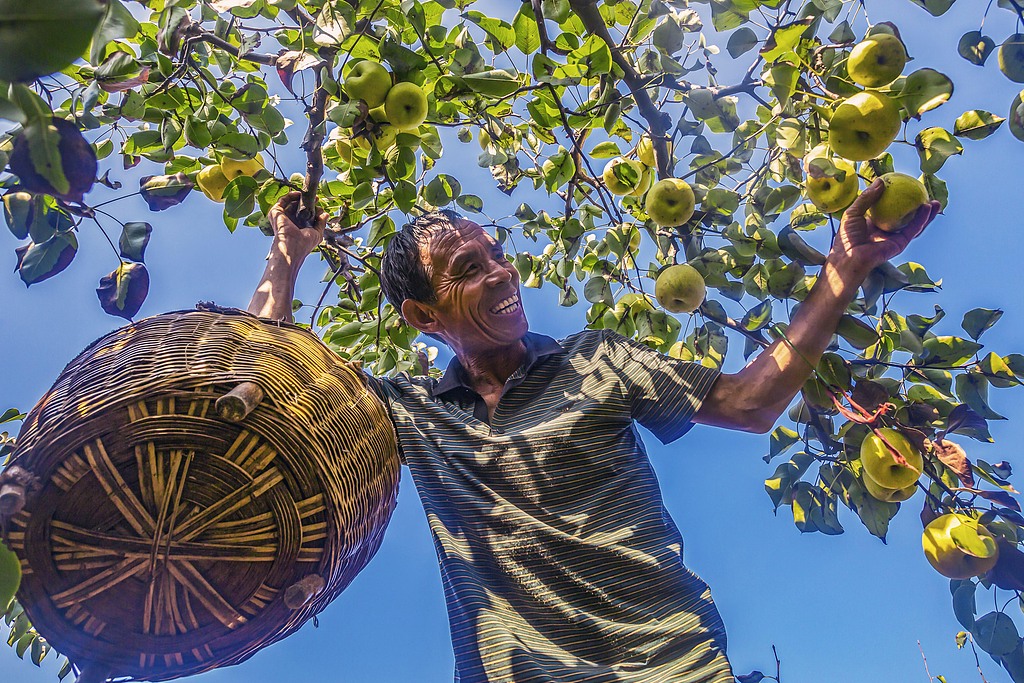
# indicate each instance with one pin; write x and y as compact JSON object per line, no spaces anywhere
{"x":955,"y":458}
{"x":164,"y":191}
{"x":38,"y":262}
{"x":78,"y":161}
{"x":122,"y":292}
{"x":1009,"y":570}
{"x":1001,"y":497}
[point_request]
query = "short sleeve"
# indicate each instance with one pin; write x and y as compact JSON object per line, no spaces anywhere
{"x":663,"y":392}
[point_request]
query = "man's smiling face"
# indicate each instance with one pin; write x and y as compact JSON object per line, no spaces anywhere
{"x":478,"y":302}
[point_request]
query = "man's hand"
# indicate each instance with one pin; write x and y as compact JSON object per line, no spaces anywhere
{"x":292,"y":244}
{"x":291,"y":241}
{"x":860,"y":247}
{"x":753,"y":398}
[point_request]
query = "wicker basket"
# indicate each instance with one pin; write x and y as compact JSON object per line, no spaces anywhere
{"x":165,"y":532}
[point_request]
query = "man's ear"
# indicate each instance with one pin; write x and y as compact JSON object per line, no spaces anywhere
{"x":421,"y":316}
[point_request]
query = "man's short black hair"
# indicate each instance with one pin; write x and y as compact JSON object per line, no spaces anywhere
{"x":402,"y":274}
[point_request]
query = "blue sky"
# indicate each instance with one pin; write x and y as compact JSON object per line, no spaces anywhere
{"x":838,"y":609}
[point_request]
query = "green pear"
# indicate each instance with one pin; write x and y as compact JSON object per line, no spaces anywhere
{"x":900,"y":199}
{"x":406,"y":106}
{"x":624,"y":180}
{"x":877,"y":60}
{"x":863,"y":126}
{"x":368,"y":81}
{"x":680,"y":289}
{"x":670,"y":202}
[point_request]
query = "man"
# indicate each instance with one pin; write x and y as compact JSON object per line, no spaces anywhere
{"x":558,"y":558}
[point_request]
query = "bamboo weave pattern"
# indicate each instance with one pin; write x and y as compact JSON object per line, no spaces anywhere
{"x":163,"y":538}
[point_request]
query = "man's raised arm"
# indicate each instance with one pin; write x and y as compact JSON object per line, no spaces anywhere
{"x":754,"y":398}
{"x":292,"y":244}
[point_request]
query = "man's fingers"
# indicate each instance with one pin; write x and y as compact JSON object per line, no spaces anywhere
{"x":866,"y":199}
{"x":925,"y":214}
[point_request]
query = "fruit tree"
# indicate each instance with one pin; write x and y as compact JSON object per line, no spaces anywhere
{"x":677,"y":168}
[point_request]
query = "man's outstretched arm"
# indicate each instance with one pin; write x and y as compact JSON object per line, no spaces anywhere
{"x":754,"y":398}
{"x":292,"y":244}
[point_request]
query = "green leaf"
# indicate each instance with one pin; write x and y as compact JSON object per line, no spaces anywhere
{"x":964,"y":606}
{"x":118,"y":23}
{"x":758,"y":317}
{"x":527,"y":33}
{"x":470,"y":202}
{"x":947,"y":351}
{"x":500,"y":32}
{"x":333,"y":24}
{"x":43,"y":141}
{"x":597,"y":290}
{"x":934,"y":146}
{"x":19,"y":210}
{"x":41,"y":38}
{"x":998,"y":371}
{"x":976,"y":124}
{"x":972,"y":389}
{"x":10,"y":573}
{"x":975,"y":47}
{"x":741,"y":40}
{"x":977,"y":320}
{"x":858,"y":333}
{"x":779,"y":486}
{"x":442,"y":190}
{"x":594,"y":55}
{"x":133,"y":241}
{"x":934,"y":7}
{"x":558,"y":169}
{"x":605,"y":150}
{"x":780,"y":441}
{"x":924,"y":90}
{"x":996,"y":634}
{"x":240,"y":196}
{"x":494,"y":83}
{"x":784,"y":39}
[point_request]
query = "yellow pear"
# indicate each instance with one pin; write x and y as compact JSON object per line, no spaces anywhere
{"x":863,"y":125}
{"x":902,"y":196}
{"x":680,"y":288}
{"x":959,"y":547}
{"x":670,"y":202}
{"x":212,"y":181}
{"x":238,"y":167}
{"x":645,"y":150}
{"x":880,"y":465}
{"x":830,"y":193}
{"x":888,"y":495}
{"x":625,"y":180}
{"x":877,"y":60}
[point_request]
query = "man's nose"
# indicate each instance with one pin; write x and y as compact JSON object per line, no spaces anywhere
{"x":499,"y":275}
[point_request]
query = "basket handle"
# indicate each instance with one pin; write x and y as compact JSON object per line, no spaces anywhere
{"x":94,"y":672}
{"x":16,"y":486}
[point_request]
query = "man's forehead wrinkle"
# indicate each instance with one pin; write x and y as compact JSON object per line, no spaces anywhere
{"x":447,"y":241}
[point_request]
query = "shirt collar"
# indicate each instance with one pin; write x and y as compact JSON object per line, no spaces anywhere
{"x":537,"y":347}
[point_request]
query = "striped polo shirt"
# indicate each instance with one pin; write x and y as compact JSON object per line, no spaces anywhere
{"x":558,"y":558}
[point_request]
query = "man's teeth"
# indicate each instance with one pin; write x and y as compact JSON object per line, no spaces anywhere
{"x":509,"y":305}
